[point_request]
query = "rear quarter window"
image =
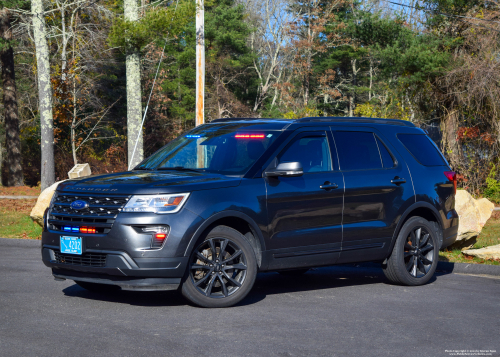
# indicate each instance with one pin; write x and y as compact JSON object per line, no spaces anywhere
{"x":421,"y":147}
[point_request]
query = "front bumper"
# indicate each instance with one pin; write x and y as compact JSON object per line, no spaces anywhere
{"x":120,"y":269}
{"x":126,"y":258}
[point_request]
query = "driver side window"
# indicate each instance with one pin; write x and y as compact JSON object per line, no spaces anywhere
{"x":312,"y":151}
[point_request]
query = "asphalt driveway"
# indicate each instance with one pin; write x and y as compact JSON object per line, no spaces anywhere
{"x":341,"y":311}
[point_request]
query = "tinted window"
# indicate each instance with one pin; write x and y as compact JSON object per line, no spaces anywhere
{"x":387,"y":159}
{"x":421,"y":147}
{"x":311,"y":151}
{"x":357,"y":150}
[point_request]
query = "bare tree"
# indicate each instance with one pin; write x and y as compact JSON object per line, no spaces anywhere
{"x":269,"y":41}
{"x":134,"y":105}
{"x":44,"y":94}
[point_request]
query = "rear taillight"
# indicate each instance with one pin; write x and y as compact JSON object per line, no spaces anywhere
{"x":452,"y":176}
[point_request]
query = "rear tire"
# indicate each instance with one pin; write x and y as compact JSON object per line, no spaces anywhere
{"x":222,"y":269}
{"x":98,"y":288}
{"x":414,"y":258}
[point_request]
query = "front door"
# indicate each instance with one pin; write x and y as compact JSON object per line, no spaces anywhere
{"x":305,"y":213}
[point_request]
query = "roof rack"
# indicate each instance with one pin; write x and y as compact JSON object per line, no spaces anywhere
{"x":357,"y":120}
{"x":327,"y":119}
{"x":243,"y":119}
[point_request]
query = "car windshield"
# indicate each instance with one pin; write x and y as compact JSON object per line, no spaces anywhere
{"x":214,"y":149}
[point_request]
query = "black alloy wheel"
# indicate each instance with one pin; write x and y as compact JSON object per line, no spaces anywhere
{"x":222,"y":269}
{"x":414,"y":258}
{"x":418,"y":252}
{"x":219,"y":268}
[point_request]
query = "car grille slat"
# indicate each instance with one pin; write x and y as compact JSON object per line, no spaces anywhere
{"x":101,"y":212}
{"x":86,"y":259}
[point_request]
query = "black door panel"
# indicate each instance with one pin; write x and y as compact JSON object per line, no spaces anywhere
{"x":305,"y":213}
{"x":375,"y":192}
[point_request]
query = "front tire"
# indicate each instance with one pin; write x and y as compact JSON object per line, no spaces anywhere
{"x":222,"y":269}
{"x":414,"y":258}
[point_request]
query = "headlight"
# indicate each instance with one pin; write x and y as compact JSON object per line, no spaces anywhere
{"x":160,"y":204}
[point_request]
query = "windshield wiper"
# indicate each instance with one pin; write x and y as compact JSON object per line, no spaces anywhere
{"x":178,"y":168}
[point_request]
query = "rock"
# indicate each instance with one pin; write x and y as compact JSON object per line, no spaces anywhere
{"x":79,"y":170}
{"x":491,"y":252}
{"x":42,"y":203}
{"x":485,"y":208}
{"x":473,"y":216}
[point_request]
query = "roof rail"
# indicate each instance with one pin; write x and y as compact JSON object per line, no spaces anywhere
{"x":239,"y":119}
{"x":356,"y":119}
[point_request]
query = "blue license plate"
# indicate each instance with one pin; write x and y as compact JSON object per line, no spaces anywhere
{"x":71,"y":245}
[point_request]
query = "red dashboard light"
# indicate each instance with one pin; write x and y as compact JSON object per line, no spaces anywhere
{"x":249,"y":136}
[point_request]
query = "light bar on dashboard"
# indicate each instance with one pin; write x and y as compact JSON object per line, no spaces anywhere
{"x":193,"y":136}
{"x":249,"y":136}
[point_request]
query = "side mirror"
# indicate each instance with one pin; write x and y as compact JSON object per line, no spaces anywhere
{"x":286,"y":169}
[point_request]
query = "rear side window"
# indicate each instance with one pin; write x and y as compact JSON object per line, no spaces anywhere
{"x":387,"y":159}
{"x":357,"y":150}
{"x":421,"y":147}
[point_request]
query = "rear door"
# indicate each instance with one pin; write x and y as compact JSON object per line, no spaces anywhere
{"x":377,"y":183}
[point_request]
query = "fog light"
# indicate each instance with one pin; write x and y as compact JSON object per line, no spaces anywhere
{"x":158,"y":239}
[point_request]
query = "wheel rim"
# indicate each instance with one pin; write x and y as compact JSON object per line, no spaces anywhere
{"x":418,"y":252}
{"x":218,"y":268}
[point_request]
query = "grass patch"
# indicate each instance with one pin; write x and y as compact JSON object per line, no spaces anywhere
{"x":15,"y":221}
{"x":490,"y":235}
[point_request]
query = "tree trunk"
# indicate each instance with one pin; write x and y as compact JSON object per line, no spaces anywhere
{"x":44,"y":94}
{"x":451,"y":147}
{"x":12,"y":141}
{"x":134,"y":105}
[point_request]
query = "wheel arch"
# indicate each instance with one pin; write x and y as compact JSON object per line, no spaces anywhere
{"x":236,"y":220}
{"x":419,"y":209}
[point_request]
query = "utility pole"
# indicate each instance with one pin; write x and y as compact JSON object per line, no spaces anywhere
{"x":200,"y":62}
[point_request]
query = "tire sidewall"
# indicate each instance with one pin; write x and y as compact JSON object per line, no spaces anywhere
{"x":192,"y":294}
{"x":403,"y":275}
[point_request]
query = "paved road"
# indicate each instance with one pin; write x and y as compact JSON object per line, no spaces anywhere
{"x":326,"y":312}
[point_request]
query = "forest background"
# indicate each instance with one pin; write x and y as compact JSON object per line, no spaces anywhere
{"x":435,"y":63}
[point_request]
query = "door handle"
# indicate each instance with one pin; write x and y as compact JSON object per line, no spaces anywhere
{"x":328,"y":186}
{"x":398,"y":180}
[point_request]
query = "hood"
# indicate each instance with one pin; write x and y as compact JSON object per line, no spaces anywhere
{"x":149,"y":182}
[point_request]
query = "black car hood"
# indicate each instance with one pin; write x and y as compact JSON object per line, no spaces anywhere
{"x":149,"y":182}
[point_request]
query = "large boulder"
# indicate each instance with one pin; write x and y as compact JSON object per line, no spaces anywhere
{"x":473,"y":216}
{"x":491,"y":252}
{"x":42,"y":203}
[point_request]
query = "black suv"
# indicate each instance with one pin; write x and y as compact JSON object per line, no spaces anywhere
{"x":228,"y":199}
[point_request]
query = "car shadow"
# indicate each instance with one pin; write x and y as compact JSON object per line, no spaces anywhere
{"x":269,"y":283}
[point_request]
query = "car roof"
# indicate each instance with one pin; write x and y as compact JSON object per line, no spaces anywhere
{"x":323,"y":120}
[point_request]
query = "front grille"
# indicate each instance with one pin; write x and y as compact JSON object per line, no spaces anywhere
{"x":86,"y":260}
{"x":100,"y":213}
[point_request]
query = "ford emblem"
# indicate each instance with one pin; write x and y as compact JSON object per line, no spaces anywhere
{"x":79,"y":204}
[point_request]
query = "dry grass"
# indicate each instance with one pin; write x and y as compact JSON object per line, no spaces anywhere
{"x":19,"y":191}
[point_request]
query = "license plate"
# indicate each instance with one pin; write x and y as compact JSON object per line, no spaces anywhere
{"x":71,"y":245}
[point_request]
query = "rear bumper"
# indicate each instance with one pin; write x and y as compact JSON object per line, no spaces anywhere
{"x":450,"y":234}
